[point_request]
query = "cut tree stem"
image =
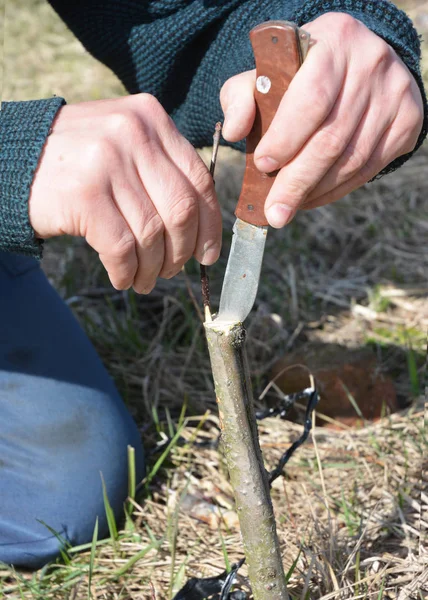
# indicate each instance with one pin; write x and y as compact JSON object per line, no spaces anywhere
{"x":226,"y":343}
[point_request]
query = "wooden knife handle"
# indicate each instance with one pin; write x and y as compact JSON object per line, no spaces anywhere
{"x":278,"y":55}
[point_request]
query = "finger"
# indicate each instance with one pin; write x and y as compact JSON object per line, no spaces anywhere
{"x":151,"y":253}
{"x":176,"y":202}
{"x":305,"y":106}
{"x":208,"y":241}
{"x":183,"y":155}
{"x":379,"y":159}
{"x":404,"y":120}
{"x":108,"y":233}
{"x":180,"y":216}
{"x":147,"y":227}
{"x":355,"y":157}
{"x":296,"y":180}
{"x":238,"y":104}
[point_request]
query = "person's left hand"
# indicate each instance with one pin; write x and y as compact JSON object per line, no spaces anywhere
{"x":352,"y":108}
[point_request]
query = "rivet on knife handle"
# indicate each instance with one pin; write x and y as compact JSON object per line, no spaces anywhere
{"x":279,"y":48}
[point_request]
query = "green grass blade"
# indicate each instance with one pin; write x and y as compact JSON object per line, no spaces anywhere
{"x":163,"y":456}
{"x":413,"y":372}
{"x":132,"y":476}
{"x":180,"y":577}
{"x":224,"y":550}
{"x":63,"y":544}
{"x":182,"y":412}
{"x":131,"y":473}
{"x":150,"y":533}
{"x":155,"y":417}
{"x":293,"y":567}
{"x":380,"y":596}
{"x":88,"y":546}
{"x":92,"y":558}
{"x":171,"y":430}
{"x":111,"y":520}
{"x":131,"y":562}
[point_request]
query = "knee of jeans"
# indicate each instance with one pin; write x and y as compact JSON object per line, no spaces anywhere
{"x":102,"y":473}
{"x":66,"y":485}
{"x":66,"y":521}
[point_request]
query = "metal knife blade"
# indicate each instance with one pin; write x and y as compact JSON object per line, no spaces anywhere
{"x":241,"y":279}
{"x":279,"y":49}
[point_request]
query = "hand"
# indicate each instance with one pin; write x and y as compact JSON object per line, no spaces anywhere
{"x":352,"y":108}
{"x":119,"y":173}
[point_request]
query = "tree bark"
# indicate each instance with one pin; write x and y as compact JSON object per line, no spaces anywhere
{"x":226,"y":343}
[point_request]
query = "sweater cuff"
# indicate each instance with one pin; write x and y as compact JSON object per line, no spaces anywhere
{"x":24,"y":127}
{"x":394,"y":27}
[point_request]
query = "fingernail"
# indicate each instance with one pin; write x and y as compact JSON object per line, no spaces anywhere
{"x":225,"y":126}
{"x":267,"y":164}
{"x":279,"y":215}
{"x":210,"y":253}
{"x":228,"y":121}
{"x":144,"y":290}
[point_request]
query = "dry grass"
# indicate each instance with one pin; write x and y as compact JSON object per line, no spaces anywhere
{"x":353,"y":507}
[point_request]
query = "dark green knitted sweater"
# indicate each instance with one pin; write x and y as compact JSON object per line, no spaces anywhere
{"x":181,"y":51}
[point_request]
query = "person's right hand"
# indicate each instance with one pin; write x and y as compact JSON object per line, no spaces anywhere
{"x":119,"y":173}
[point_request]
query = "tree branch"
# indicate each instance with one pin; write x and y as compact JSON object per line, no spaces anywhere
{"x":226,"y":344}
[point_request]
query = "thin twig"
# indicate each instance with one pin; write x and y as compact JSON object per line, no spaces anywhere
{"x":216,"y":144}
{"x":205,"y":285}
{"x":191,"y":294}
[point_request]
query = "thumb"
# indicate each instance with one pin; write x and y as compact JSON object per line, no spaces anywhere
{"x":239,"y":108}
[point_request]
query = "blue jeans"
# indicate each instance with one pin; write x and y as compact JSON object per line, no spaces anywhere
{"x":62,"y":423}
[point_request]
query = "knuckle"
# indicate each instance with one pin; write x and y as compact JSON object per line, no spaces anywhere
{"x":408,"y":147}
{"x":331,"y":143}
{"x":411,"y":136}
{"x":123,"y":247}
{"x":355,"y":160}
{"x":320,"y":100}
{"x":149,"y":102}
{"x":99,"y":153}
{"x":201,"y":179}
{"x":184,"y":211}
{"x":153,"y":110}
{"x":367,"y":171}
{"x":296,"y":190}
{"x":416,"y":131}
{"x":409,"y":144}
{"x":403,"y":88}
{"x":122,"y":123}
{"x":129,"y":126}
{"x":381,"y":56}
{"x":153,"y":230}
{"x":181,"y":256}
{"x":409,"y":120}
{"x":345,"y":24}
